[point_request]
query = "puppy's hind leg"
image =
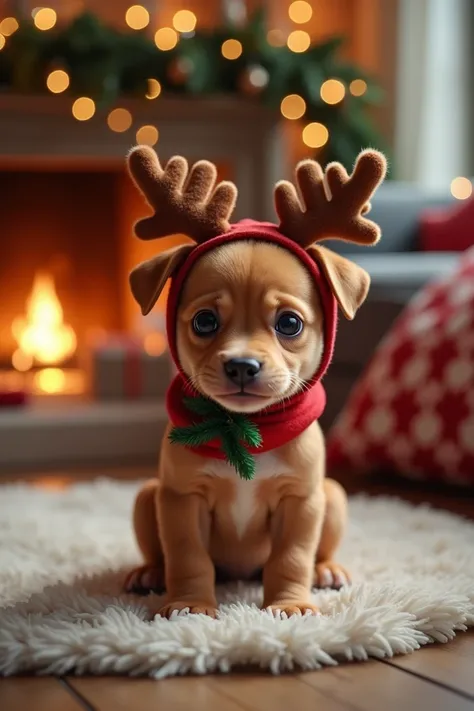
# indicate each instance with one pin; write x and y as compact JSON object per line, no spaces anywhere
{"x":149,"y":577}
{"x":327,"y":573}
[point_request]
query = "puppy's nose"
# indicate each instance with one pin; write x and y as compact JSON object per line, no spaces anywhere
{"x":242,"y":370}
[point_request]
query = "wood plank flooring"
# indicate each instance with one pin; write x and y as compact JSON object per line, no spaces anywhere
{"x":439,"y":678}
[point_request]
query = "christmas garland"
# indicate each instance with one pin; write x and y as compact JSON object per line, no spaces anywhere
{"x":234,"y":430}
{"x":106,"y":64}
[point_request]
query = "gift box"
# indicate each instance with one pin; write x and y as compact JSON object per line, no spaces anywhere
{"x":124,"y":368}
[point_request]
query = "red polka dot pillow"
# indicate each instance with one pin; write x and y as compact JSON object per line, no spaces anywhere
{"x":412,"y":412}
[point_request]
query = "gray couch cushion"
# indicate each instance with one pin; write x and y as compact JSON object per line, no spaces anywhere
{"x":397,"y":207}
{"x":401,"y":275}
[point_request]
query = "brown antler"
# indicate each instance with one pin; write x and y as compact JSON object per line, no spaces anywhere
{"x":185,"y":202}
{"x":333,"y":203}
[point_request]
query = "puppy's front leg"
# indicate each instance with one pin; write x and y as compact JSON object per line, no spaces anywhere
{"x":189,"y":571}
{"x":288,"y":574}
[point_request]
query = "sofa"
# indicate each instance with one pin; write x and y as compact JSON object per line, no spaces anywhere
{"x":398,"y":269}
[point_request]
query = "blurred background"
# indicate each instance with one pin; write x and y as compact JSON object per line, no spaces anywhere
{"x":252,"y":85}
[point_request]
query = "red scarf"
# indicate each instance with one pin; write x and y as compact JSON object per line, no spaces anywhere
{"x":281,"y":422}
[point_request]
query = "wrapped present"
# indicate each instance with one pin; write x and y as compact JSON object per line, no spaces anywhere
{"x":123,"y":367}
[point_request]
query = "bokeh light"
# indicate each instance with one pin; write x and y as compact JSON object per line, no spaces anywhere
{"x":8,"y":26}
{"x":154,"y":343}
{"x":166,"y":38}
{"x":332,"y":91}
{"x":300,"y":11}
{"x":231,"y":49}
{"x":298,"y":41}
{"x":2,"y":41}
{"x":461,"y":188}
{"x":45,"y":18}
{"x":57,"y":81}
{"x":22,"y":361}
{"x":50,"y":380}
{"x":315,"y":135}
{"x":83,"y":108}
{"x":137,"y":17}
{"x":147,"y":135}
{"x":154,"y":89}
{"x":276,"y":38}
{"x":358,"y":87}
{"x":184,"y":21}
{"x":293,"y":106}
{"x":119,"y":120}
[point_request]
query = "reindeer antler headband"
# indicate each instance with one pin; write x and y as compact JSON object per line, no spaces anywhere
{"x":323,"y":205}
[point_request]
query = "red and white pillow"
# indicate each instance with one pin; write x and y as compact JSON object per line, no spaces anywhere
{"x":412,"y":412}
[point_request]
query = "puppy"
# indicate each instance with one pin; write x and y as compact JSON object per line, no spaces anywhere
{"x":251,"y":326}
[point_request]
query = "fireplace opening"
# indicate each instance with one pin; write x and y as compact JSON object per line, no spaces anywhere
{"x":61,"y":265}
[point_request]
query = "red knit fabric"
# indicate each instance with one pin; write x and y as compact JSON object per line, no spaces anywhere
{"x":281,"y":422}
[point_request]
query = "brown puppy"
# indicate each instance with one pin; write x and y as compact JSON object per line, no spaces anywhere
{"x":198,"y":516}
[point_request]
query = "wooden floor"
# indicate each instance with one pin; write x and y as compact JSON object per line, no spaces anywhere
{"x":439,"y":677}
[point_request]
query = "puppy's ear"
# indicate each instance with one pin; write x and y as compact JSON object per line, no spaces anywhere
{"x":349,"y":282}
{"x":148,"y":279}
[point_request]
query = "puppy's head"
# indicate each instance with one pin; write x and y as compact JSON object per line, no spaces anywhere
{"x":250,"y":321}
{"x":249,"y":325}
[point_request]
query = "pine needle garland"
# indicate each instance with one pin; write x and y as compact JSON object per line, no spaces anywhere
{"x":235,"y":431}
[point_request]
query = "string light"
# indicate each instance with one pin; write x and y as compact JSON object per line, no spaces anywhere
{"x":119,"y":120}
{"x":8,"y":26}
{"x":276,"y":38}
{"x":315,"y":135}
{"x":2,"y":41}
{"x":258,"y":77}
{"x":358,"y":87}
{"x":298,"y":41}
{"x":300,"y":12}
{"x":166,"y":38}
{"x":147,"y":135}
{"x":461,"y":188}
{"x":231,"y":49}
{"x":293,"y":106}
{"x":57,"y":81}
{"x":154,"y":343}
{"x":154,"y":89}
{"x":332,"y":91}
{"x":22,"y":361}
{"x":83,"y":108}
{"x":184,"y":21}
{"x":45,"y":18}
{"x":137,"y":17}
{"x":50,"y":380}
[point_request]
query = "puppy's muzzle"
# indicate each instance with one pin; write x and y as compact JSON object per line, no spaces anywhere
{"x":242,"y":371}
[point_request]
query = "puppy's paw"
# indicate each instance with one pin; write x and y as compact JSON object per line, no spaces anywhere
{"x":328,"y":574}
{"x":290,"y":607}
{"x":195,"y":607}
{"x":145,"y":579}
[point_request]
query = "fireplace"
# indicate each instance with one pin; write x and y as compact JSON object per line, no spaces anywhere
{"x":67,"y":208}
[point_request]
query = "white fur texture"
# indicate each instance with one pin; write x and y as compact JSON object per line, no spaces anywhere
{"x":63,"y":556}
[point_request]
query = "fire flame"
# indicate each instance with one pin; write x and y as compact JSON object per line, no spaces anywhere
{"x":42,"y":334}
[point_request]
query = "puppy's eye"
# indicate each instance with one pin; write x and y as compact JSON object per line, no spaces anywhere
{"x":289,"y":324}
{"x":205,"y":323}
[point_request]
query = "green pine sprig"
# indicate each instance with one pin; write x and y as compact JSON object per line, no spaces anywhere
{"x":235,"y":431}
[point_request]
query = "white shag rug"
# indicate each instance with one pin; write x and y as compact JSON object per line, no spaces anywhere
{"x":63,"y":556}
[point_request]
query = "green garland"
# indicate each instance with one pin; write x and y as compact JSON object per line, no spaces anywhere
{"x":108,"y":64}
{"x":234,"y":430}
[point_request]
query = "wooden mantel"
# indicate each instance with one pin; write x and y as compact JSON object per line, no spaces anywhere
{"x":40,"y":133}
